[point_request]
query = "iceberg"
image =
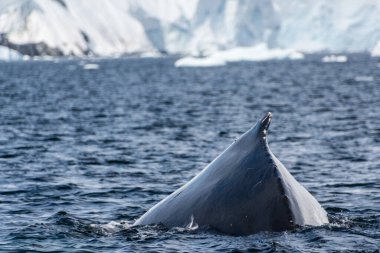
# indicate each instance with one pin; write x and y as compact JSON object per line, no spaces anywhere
{"x":90,"y":66}
{"x":199,"y":62}
{"x":335,"y":58}
{"x":364,"y":78}
{"x":260,"y":52}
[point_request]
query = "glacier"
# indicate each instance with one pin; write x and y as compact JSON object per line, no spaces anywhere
{"x":7,"y":54}
{"x":114,"y":28}
{"x":376,"y":50}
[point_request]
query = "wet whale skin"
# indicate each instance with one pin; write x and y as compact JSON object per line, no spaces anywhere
{"x":244,"y":190}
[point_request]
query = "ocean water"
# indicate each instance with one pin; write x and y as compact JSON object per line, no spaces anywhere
{"x":86,"y":149}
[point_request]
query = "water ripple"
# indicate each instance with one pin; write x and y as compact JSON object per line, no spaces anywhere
{"x":85,"y":153}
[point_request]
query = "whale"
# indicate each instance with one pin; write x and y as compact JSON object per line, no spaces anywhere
{"x":244,"y":190}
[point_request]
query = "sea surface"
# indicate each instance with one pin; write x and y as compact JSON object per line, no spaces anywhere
{"x":87,"y":146}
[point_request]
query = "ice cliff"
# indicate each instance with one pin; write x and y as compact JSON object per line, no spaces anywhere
{"x":195,"y":27}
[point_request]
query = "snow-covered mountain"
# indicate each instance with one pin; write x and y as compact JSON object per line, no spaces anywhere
{"x":114,"y":27}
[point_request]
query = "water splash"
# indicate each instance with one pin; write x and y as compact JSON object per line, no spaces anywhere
{"x":192,"y":225}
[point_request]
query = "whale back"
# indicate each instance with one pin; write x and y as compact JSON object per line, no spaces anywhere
{"x":244,"y":190}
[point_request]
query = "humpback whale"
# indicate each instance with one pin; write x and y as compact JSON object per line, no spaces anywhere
{"x":244,"y":190}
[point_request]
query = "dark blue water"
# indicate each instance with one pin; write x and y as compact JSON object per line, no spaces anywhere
{"x":83,"y":153}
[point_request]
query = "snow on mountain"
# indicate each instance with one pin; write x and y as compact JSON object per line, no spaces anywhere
{"x":72,"y":27}
{"x":195,"y":27}
{"x":337,"y":26}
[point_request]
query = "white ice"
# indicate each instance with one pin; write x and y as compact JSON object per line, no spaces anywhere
{"x":199,"y":62}
{"x":376,"y":50}
{"x":7,"y":54}
{"x":260,"y":52}
{"x":335,"y":58}
{"x":90,"y":66}
{"x":188,"y":27}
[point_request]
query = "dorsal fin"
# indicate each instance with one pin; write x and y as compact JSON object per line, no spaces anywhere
{"x":262,"y":126}
{"x":265,"y":121}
